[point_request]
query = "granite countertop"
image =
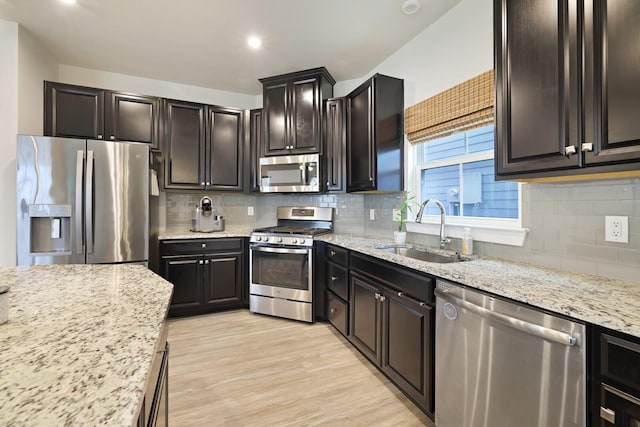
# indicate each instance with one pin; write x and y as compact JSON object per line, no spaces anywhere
{"x":180,"y":232}
{"x":79,"y":343}
{"x":598,"y":300}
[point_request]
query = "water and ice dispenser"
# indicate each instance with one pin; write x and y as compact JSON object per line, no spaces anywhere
{"x":50,"y":229}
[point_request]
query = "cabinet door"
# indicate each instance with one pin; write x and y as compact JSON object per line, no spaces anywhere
{"x":613,"y":89}
{"x":73,"y":111}
{"x":131,"y":117}
{"x":185,"y":272}
{"x":365,"y":317}
{"x":225,"y":137}
{"x":537,"y":85}
{"x":407,"y":347}
{"x":335,"y":142}
{"x":223,"y":280}
{"x":276,"y":120}
{"x":618,"y":409}
{"x":305,"y":116}
{"x":184,"y":145}
{"x":255,"y":144}
{"x":360,"y":140}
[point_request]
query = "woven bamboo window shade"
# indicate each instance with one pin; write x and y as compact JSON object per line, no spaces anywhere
{"x":465,"y":106}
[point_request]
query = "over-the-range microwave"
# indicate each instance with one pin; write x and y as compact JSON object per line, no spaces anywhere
{"x":290,"y":174}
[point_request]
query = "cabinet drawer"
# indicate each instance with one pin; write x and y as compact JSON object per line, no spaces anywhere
{"x":337,"y":255}
{"x":416,"y":285}
{"x":620,"y":361}
{"x":337,"y":313}
{"x":338,"y":280}
{"x":199,"y":246}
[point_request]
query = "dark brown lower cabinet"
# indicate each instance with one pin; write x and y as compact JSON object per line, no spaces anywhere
{"x":391,"y":328}
{"x":207,"y":275}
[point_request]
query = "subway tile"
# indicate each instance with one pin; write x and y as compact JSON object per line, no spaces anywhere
{"x":618,"y":270}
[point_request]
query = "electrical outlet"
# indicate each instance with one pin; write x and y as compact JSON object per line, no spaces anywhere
{"x":372,"y":214}
{"x":396,"y":215}
{"x":250,"y":210}
{"x":616,"y":229}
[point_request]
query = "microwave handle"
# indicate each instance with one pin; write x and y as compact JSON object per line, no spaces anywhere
{"x":304,"y":173}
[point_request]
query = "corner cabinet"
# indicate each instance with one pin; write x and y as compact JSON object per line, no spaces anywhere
{"x":207,"y":275}
{"x":387,"y":313}
{"x":85,"y":112}
{"x":204,"y":146}
{"x":375,"y":135}
{"x":292,"y":111}
{"x":567,"y":87}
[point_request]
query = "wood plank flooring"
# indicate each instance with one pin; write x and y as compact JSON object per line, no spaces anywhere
{"x":237,"y":368}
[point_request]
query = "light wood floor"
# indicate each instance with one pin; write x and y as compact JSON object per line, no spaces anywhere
{"x":242,"y":369}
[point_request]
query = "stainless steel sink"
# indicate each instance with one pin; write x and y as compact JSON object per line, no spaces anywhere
{"x":422,"y":255}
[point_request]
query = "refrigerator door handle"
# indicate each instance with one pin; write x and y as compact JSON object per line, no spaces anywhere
{"x":89,"y":202}
{"x":78,"y":213}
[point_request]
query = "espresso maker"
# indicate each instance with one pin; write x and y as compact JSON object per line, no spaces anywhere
{"x":204,"y":218}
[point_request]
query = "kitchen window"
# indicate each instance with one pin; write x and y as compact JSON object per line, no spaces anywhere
{"x":458,"y":170}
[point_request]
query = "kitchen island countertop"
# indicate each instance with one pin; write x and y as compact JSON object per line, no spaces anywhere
{"x":79,"y":343}
{"x":598,"y":300}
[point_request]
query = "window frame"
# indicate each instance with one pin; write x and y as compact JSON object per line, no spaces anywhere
{"x":508,"y":231}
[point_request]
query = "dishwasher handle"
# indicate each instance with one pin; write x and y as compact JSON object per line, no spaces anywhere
{"x":528,"y":327}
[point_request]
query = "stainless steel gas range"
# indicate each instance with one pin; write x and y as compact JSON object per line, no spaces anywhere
{"x":281,"y":262}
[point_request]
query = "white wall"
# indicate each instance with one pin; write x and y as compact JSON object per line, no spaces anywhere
{"x":8,"y":131}
{"x":35,"y":65}
{"x":123,"y":82}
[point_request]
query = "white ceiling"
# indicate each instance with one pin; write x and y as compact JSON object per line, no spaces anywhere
{"x":203,"y":42}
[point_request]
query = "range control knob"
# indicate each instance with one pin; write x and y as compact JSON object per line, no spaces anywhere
{"x":301,"y":241}
{"x":279,"y":239}
{"x":294,"y":241}
{"x":258,"y":239}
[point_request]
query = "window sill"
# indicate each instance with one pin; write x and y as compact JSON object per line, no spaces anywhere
{"x":511,"y":236}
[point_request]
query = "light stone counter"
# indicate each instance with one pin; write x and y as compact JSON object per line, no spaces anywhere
{"x":184,"y":233}
{"x":610,"y":303}
{"x":78,"y":346}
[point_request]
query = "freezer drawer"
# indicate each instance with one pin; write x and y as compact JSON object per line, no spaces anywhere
{"x":499,"y":364}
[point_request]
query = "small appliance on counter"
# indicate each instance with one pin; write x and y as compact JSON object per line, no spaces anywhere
{"x":204,"y":220}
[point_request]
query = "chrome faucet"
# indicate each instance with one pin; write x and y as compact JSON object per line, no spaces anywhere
{"x":424,"y":204}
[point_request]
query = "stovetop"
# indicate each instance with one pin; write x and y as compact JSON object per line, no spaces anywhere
{"x":296,"y":226}
{"x":291,"y":229}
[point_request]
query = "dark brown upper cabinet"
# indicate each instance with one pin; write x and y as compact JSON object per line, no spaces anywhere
{"x":375,"y":135}
{"x":567,"y":88}
{"x":292,"y":111}
{"x":85,"y":112}
{"x":335,"y":133}
{"x":255,"y":147}
{"x":204,"y":146}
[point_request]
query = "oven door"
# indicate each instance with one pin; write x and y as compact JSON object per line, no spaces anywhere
{"x":281,"y":272}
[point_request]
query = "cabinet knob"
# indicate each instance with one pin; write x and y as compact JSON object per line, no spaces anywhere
{"x":206,"y":261}
{"x":371,"y":178}
{"x":334,"y":278}
{"x":332,"y":253}
{"x":208,"y":183}
{"x":569,"y":150}
{"x":201,"y":262}
{"x":204,"y":245}
{"x":99,"y":136}
{"x":333,"y":310}
{"x":112,"y":137}
{"x":202,"y":183}
{"x":377,"y":296}
{"x":587,"y":146}
{"x":608,"y":415}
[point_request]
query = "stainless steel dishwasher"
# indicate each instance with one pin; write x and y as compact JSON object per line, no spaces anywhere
{"x":499,"y":364}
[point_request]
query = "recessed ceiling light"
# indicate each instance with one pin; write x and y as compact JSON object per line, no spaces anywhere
{"x":68,"y":1}
{"x":254,"y":42}
{"x":409,"y":7}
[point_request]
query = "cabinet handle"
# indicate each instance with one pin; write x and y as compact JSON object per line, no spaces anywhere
{"x":569,"y":150}
{"x":587,"y":146}
{"x":420,"y":303}
{"x":99,"y":136}
{"x":608,"y":415}
{"x":112,"y":137}
{"x":334,"y":278}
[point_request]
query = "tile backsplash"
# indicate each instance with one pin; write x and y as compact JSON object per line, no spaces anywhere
{"x":565,"y":222}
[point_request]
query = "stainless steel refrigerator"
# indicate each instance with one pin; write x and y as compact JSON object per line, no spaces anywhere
{"x":81,"y":201}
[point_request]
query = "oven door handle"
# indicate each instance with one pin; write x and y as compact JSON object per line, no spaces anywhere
{"x":279,"y":250}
